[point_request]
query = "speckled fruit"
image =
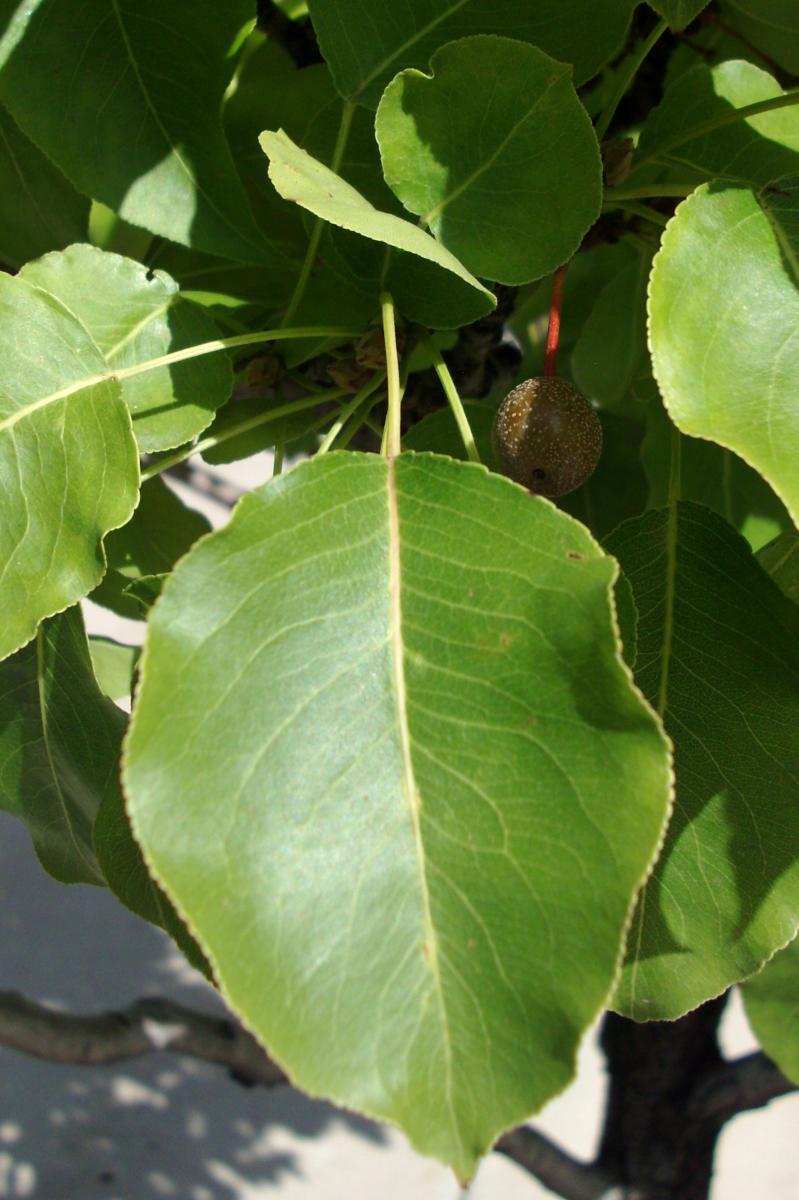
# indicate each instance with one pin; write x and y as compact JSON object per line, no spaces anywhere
{"x":547,"y":436}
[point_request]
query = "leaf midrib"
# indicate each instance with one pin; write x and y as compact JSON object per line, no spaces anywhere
{"x":400,"y":50}
{"x":409,"y":786}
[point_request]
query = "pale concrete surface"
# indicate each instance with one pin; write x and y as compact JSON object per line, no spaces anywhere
{"x":164,"y":1127}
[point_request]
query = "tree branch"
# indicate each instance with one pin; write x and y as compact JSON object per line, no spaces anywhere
{"x":737,"y":1086}
{"x":147,"y":1026}
{"x":556,"y":1169}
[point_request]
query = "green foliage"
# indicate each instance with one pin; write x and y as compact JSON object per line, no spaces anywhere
{"x":405,"y":739}
{"x":443,"y":806}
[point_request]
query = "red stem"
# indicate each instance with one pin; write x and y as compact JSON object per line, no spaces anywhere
{"x":553,"y":333}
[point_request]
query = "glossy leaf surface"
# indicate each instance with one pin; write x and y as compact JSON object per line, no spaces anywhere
{"x":141,"y":129}
{"x":303,"y":180}
{"x":611,"y":349}
{"x":60,"y":739}
{"x":718,"y":654}
{"x":410,"y":769}
{"x":39,"y":208}
{"x":134,"y":315}
{"x":495,"y":154}
{"x":724,"y":326}
{"x":772,"y":1006}
{"x":69,"y":468}
{"x":772,"y":25}
{"x":365,"y":53}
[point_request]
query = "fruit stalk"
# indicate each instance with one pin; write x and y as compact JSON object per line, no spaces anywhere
{"x":553,"y":332}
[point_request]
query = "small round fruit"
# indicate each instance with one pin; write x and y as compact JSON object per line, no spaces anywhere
{"x":547,"y":436}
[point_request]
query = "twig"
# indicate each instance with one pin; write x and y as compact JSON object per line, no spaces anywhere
{"x":146,"y":1027}
{"x":739,"y":1085}
{"x":556,"y":1169}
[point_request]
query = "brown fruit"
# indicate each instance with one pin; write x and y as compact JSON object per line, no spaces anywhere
{"x":547,"y":436}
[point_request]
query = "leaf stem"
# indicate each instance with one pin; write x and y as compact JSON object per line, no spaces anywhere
{"x":393,"y":428}
{"x":455,"y":402}
{"x":627,"y":73}
{"x":347,"y":411}
{"x":347,"y":113}
{"x":277,"y":465}
{"x":639,"y":210}
{"x":787,"y":100}
{"x":263,"y":418}
{"x":553,"y":329}
{"x":227,"y":343}
{"x":647,"y":191}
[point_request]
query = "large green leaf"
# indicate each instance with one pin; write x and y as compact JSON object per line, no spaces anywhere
{"x":134,"y":315}
{"x":724,"y":326}
{"x":388,"y":764}
{"x":69,"y":467}
{"x":678,"y":13}
{"x":754,"y":151}
{"x":160,"y":531}
{"x":496,"y":155}
{"x":772,"y":25}
{"x":617,"y":489}
{"x":39,"y":208}
{"x":365,"y":45}
{"x":772,"y":1006}
{"x":60,"y":740}
{"x":133,"y":118}
{"x":718,"y":654}
{"x":303,"y":180}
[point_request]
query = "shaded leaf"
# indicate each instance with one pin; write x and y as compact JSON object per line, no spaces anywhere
{"x":496,"y":155}
{"x":678,"y":13}
{"x":69,"y":467}
{"x":39,"y":208}
{"x":133,"y":315}
{"x":773,"y":26}
{"x":753,"y":151}
{"x":611,"y":348}
{"x":439,"y":433}
{"x":371,"y":705}
{"x":364,"y":53}
{"x":60,"y":740}
{"x":718,"y":654}
{"x":313,"y":186}
{"x":772,"y":1006}
{"x":617,"y":489}
{"x":161,"y":530}
{"x":724,"y":327}
{"x":712,"y":476}
{"x":133,"y":118}
{"x":781,"y":559}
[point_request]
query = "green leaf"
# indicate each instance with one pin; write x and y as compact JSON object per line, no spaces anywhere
{"x":160,"y":531}
{"x":133,"y":119}
{"x":364,"y":51}
{"x":303,"y":180}
{"x":678,"y":13}
{"x":114,"y":664}
{"x":781,"y":559}
{"x":773,"y":26}
{"x":134,"y":314}
{"x":438,"y":432}
{"x":496,"y":155}
{"x":611,"y":348}
{"x":724,"y":327}
{"x":754,"y":151}
{"x":617,"y":489}
{"x":60,"y":740}
{"x":370,"y":707}
{"x":69,"y":468}
{"x":772,"y":1006}
{"x":718,"y":654}
{"x":39,"y":208}
{"x":712,"y":476}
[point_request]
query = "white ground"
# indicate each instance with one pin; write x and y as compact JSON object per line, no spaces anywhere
{"x":164,"y":1127}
